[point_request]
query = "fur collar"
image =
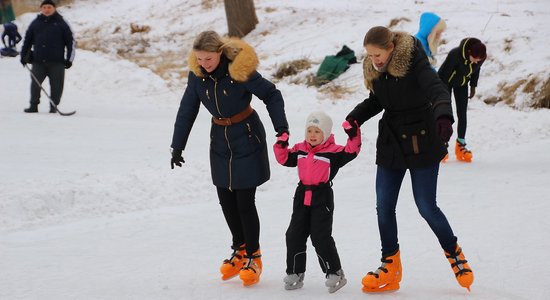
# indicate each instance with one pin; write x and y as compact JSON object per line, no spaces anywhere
{"x":242,"y":57}
{"x":399,"y":63}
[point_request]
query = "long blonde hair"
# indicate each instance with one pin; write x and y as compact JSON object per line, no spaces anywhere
{"x":433,"y":38}
{"x":209,"y":41}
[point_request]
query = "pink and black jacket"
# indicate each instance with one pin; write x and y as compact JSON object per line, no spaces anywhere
{"x":317,"y":166}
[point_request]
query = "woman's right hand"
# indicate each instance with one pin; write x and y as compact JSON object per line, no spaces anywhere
{"x":177,"y":159}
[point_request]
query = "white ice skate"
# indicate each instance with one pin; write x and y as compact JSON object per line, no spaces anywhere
{"x":294,"y":281}
{"x":336,"y":281}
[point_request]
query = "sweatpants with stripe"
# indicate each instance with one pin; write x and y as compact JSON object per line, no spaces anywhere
{"x":315,"y":221}
{"x":55,"y":71}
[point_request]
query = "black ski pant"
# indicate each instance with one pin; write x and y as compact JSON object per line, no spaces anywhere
{"x":461,"y":101}
{"x":55,"y":72}
{"x":315,"y":221}
{"x":239,"y":210}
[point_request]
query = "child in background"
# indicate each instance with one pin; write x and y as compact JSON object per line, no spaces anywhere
{"x":429,"y":34}
{"x":462,"y":66}
{"x":318,"y":159}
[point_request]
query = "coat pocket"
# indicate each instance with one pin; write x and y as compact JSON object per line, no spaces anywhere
{"x":413,"y":138}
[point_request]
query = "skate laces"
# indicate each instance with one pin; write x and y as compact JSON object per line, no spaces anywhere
{"x":458,"y":262}
{"x":234,"y":255}
{"x":382,"y":268}
{"x":251,"y":264}
{"x":463,"y":148}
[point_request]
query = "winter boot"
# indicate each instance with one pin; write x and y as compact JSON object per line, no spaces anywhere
{"x":336,"y":281}
{"x":32,"y":109}
{"x":462,"y":153}
{"x":462,"y":270}
{"x":294,"y":281}
{"x":386,"y":277}
{"x":53,"y":110}
{"x":232,"y":266}
{"x":252,"y":269}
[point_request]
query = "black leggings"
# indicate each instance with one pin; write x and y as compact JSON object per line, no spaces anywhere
{"x":461,"y":100}
{"x":239,"y":210}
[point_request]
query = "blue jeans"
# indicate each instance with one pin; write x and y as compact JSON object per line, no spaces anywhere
{"x":424,"y":185}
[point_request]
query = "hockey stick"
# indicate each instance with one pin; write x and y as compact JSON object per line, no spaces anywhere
{"x":50,"y":98}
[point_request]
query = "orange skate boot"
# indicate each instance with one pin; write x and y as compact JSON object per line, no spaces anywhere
{"x":462,"y":270}
{"x":252,"y":269}
{"x":386,"y":278}
{"x":232,"y":266}
{"x":462,"y":153}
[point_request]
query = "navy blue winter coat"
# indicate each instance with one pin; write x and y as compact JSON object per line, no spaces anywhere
{"x":238,"y":153}
{"x":49,"y":37}
{"x":412,"y":97}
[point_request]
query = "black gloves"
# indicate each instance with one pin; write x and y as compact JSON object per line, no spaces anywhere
{"x":177,"y":159}
{"x":350,"y":127}
{"x":26,"y":58}
{"x":282,"y":137}
{"x":444,"y":128}
{"x":69,"y":64}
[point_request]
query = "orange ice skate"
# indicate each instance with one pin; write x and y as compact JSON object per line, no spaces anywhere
{"x":386,"y":278}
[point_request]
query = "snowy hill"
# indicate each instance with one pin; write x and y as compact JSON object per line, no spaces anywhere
{"x":90,"y":208}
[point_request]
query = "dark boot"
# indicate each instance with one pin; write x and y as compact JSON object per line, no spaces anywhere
{"x":32,"y":109}
{"x":53,"y":110}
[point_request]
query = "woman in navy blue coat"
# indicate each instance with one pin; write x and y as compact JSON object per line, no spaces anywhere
{"x":223,"y":78}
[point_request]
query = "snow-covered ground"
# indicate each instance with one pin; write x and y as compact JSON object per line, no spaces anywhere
{"x":90,"y":209}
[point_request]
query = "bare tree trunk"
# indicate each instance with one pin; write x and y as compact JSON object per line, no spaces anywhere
{"x":241,"y":17}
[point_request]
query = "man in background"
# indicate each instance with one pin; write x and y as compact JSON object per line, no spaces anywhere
{"x":53,"y":50}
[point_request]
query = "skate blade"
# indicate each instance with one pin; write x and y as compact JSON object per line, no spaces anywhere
{"x":390,"y":287}
{"x":295,"y":286}
{"x":341,"y":283}
{"x":229,"y":276}
{"x":250,"y":282}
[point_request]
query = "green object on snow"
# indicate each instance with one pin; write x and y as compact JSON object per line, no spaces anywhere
{"x":6,"y":11}
{"x":334,"y":65}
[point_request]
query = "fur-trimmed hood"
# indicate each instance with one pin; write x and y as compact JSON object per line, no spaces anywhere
{"x":243,"y":60}
{"x":399,"y":63}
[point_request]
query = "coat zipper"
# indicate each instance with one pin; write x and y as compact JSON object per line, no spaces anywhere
{"x":225,"y":134}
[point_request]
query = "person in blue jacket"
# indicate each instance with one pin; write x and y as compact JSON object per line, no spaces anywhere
{"x":10,"y":31}
{"x":223,"y":78}
{"x":429,"y":33}
{"x":50,"y":47}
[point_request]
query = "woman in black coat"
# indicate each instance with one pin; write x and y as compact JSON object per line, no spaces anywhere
{"x":223,"y":78}
{"x":461,"y":66}
{"x":416,"y":123}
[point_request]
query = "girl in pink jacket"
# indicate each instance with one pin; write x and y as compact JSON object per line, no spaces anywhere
{"x":318,"y":159}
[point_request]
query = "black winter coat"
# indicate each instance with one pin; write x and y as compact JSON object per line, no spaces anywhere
{"x":238,"y":153}
{"x":49,"y":37}
{"x":412,"y":97}
{"x":457,"y":69}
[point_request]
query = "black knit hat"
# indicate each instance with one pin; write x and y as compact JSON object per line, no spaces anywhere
{"x":45,"y":2}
